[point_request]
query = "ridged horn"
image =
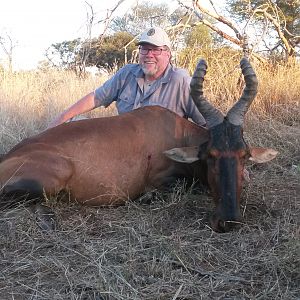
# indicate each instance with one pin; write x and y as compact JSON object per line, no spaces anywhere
{"x":212,"y":115}
{"x":237,"y":113}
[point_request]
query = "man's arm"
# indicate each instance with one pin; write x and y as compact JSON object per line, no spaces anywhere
{"x":83,"y":105}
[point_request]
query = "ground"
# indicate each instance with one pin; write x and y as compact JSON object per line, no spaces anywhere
{"x":159,"y":250}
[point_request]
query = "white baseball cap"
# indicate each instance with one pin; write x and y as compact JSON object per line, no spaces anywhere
{"x":155,"y":36}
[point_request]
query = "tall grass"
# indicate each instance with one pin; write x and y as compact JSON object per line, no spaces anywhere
{"x":30,"y":100}
{"x":279,"y":85}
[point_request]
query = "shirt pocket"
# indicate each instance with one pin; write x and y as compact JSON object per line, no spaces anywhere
{"x":125,"y":102}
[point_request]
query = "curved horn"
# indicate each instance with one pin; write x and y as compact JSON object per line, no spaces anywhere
{"x":237,"y":113}
{"x":212,"y":115}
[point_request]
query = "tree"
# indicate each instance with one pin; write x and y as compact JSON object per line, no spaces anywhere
{"x":8,"y":44}
{"x":198,"y":36}
{"x":109,"y":52}
{"x":141,"y":16}
{"x":65,"y":54}
{"x":279,"y":21}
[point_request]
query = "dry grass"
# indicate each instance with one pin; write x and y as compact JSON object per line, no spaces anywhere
{"x":163,"y":249}
{"x":279,"y":86}
{"x":30,"y":100}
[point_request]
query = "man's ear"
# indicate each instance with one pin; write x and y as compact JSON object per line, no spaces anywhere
{"x":262,"y":155}
{"x":184,"y":155}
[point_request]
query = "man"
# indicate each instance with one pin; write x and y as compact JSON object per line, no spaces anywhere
{"x":154,"y":81}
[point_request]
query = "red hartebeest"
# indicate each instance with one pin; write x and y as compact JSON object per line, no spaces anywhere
{"x":106,"y":161}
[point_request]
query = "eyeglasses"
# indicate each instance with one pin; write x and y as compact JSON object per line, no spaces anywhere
{"x":155,"y":52}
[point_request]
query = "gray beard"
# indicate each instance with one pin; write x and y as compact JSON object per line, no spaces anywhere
{"x":149,"y":73}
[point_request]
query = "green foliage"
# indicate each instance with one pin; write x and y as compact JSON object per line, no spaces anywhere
{"x":198,"y":36}
{"x":64,"y":54}
{"x":289,"y":11}
{"x":109,"y":53}
{"x":286,"y":14}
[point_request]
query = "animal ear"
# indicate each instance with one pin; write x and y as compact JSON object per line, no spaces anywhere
{"x":262,"y":155}
{"x":184,"y":155}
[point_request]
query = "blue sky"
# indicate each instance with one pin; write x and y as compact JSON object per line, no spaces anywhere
{"x":34,"y":25}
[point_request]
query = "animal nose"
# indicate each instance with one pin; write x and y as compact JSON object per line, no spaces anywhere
{"x":8,"y":189}
{"x":25,"y":187}
{"x":11,"y":192}
{"x":221,"y":224}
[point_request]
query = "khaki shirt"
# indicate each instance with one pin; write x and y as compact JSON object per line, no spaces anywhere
{"x":127,"y":88}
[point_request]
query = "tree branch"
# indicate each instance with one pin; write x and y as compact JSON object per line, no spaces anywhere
{"x":219,"y":18}
{"x":277,"y":28}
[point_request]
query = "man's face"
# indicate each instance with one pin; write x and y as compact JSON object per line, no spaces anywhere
{"x":153,"y":60}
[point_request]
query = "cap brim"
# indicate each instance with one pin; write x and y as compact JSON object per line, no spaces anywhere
{"x":145,"y":42}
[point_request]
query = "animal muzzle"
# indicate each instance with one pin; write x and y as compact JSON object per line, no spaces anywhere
{"x":24,"y":187}
{"x":221,"y":222}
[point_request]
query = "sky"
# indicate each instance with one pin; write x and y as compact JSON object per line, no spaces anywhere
{"x":33,"y":25}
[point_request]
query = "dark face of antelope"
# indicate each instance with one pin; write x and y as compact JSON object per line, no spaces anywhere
{"x":226,"y":151}
{"x":226,"y":156}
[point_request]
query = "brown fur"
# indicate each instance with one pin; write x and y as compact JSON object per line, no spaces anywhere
{"x":104,"y":161}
